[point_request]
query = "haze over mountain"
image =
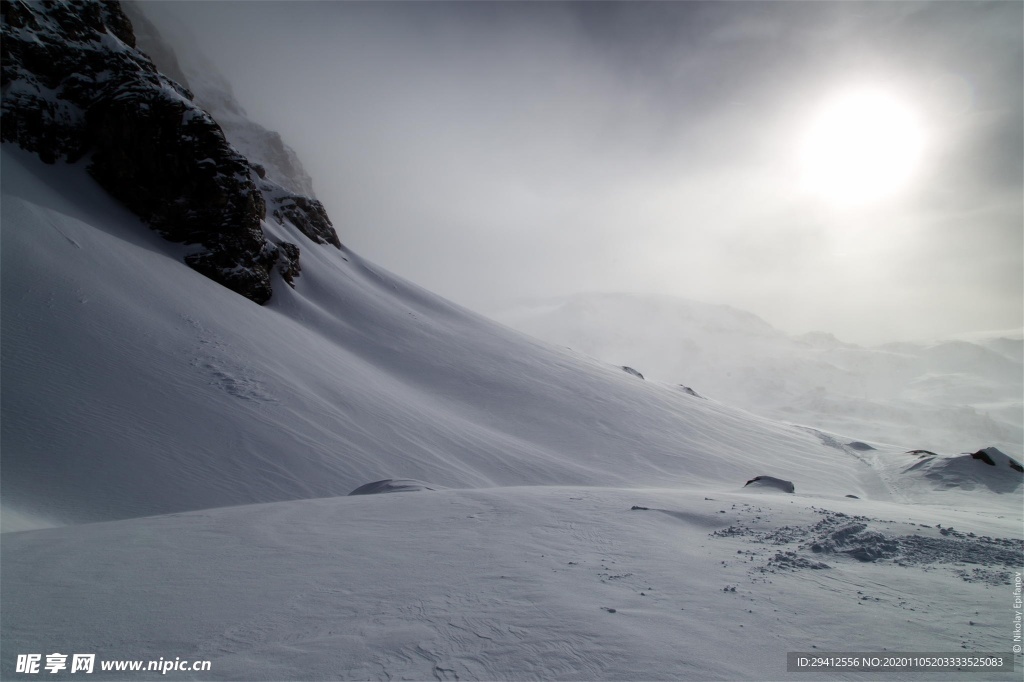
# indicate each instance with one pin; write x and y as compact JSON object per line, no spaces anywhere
{"x":208,"y":392}
{"x":946,"y":395}
{"x":852,"y":167}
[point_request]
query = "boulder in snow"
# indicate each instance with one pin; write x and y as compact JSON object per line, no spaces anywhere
{"x":394,"y":485}
{"x":771,"y":482}
{"x":630,"y":370}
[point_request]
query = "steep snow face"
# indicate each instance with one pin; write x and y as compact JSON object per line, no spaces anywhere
{"x":134,"y":387}
{"x":953,"y":395}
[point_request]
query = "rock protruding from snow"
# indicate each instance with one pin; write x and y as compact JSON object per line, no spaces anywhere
{"x":187,"y":64}
{"x":305,"y":213}
{"x":989,"y":468}
{"x":771,"y":482}
{"x":689,"y":391}
{"x":286,"y":186}
{"x":996,"y":458}
{"x":75,"y":84}
{"x":630,"y":370}
{"x":858,"y":445}
{"x":394,"y":485}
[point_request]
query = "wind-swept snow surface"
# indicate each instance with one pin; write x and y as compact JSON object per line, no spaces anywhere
{"x":516,"y":583}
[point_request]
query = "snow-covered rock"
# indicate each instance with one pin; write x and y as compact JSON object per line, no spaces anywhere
{"x":986,"y":469}
{"x":770,"y":482}
{"x":394,"y":485}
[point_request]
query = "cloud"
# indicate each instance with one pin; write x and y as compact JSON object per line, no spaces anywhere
{"x":495,"y":150}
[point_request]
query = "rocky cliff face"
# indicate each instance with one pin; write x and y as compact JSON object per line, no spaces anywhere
{"x":191,"y":68}
{"x":75,"y":85}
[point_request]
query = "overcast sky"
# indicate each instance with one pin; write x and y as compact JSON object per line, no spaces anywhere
{"x":496,"y":151}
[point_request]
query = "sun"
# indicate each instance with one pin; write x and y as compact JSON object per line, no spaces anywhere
{"x":860,"y":146}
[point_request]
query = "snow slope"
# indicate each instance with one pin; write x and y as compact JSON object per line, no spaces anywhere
{"x":951,"y":395}
{"x":196,"y":426}
{"x":144,"y":389}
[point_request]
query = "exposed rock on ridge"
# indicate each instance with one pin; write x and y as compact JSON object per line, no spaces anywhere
{"x":212,"y":91}
{"x":74,"y":84}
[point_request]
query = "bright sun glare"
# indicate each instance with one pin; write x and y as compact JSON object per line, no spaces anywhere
{"x":861,"y":146}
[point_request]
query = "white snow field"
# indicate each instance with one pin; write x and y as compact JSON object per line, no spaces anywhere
{"x":951,"y":395}
{"x":505,"y":583}
{"x":179,"y":433}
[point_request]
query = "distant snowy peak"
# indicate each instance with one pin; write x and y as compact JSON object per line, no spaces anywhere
{"x":642,"y":310}
{"x":823,"y":340}
{"x":949,"y":394}
{"x":213,"y":92}
{"x":75,"y":86}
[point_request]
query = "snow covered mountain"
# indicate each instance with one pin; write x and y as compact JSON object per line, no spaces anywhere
{"x":126,"y":362}
{"x":951,"y":395}
{"x":559,"y":517}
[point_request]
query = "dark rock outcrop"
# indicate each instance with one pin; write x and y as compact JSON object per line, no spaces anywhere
{"x":771,"y":482}
{"x":983,"y":456}
{"x":305,"y":213}
{"x":394,"y":485}
{"x":288,"y":262}
{"x":986,"y":455}
{"x":190,"y":67}
{"x":74,"y":84}
{"x":630,"y":370}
